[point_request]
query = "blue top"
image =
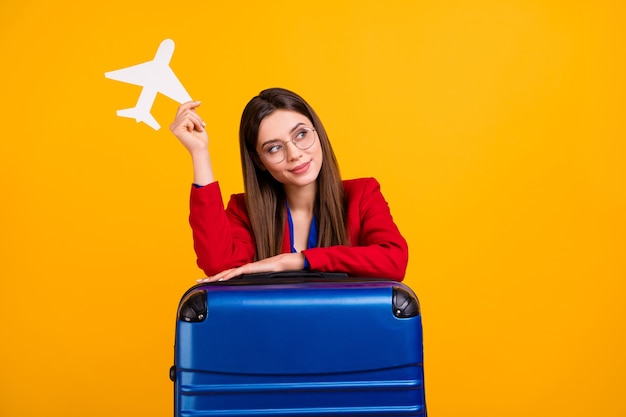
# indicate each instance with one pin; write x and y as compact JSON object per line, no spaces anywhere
{"x":312,"y":240}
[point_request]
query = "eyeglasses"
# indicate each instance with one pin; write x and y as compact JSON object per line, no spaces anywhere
{"x":275,"y":151}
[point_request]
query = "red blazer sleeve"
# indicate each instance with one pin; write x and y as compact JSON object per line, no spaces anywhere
{"x":377,"y":247}
{"x":222,"y":239}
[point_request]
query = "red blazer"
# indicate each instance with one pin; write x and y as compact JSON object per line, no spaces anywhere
{"x":223,"y":237}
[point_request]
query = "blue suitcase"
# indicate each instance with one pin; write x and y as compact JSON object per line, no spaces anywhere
{"x":297,"y":345}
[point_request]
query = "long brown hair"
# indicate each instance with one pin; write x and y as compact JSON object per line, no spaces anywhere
{"x":265,"y":197}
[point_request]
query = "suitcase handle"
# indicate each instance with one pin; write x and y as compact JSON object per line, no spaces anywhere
{"x":303,"y":274}
{"x":285,"y":277}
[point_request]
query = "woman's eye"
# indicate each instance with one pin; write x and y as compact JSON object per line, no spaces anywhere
{"x":273,"y":149}
{"x":301,"y":135}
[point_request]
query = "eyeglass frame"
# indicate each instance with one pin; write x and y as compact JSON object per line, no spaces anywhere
{"x":284,"y":143}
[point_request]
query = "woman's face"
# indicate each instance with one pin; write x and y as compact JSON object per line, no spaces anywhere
{"x":278,"y":134}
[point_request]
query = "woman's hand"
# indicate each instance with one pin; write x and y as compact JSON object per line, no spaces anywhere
{"x":189,"y":128}
{"x":282,"y":262}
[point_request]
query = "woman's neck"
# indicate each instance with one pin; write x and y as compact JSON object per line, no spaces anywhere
{"x":301,"y":199}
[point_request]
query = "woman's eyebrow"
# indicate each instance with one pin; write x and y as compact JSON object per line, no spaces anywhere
{"x":296,"y":126}
{"x":278,"y":139}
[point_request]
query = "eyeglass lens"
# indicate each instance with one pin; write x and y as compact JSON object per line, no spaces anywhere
{"x":303,"y":138}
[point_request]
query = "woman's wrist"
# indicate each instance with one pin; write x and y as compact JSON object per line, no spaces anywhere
{"x":202,"y":169}
{"x":299,"y":261}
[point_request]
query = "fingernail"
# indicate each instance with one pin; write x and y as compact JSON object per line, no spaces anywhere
{"x":203,"y":124}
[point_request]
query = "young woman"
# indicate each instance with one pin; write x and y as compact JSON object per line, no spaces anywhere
{"x":296,"y":212}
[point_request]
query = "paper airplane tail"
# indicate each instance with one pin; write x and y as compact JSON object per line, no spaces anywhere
{"x":139,"y":116}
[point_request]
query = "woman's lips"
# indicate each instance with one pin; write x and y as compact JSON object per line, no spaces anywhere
{"x":301,"y":169}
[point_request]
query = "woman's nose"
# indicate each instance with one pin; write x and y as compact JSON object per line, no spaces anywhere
{"x":292,"y":151}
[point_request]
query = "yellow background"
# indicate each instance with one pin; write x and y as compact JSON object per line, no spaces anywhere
{"x":495,"y":127}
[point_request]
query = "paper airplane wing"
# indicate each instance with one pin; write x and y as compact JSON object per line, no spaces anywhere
{"x":137,"y":74}
{"x":170,"y":86}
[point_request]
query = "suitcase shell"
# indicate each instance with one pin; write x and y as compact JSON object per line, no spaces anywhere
{"x":299,"y":347}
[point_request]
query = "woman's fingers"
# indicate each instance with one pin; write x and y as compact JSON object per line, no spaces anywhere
{"x":190,"y":105}
{"x":282,"y":262}
{"x":187,"y":119}
{"x":231,"y":273}
{"x":222,"y":276}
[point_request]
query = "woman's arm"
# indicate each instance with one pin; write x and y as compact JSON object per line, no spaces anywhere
{"x":378,"y":249}
{"x":190,"y":130}
{"x":222,"y":238}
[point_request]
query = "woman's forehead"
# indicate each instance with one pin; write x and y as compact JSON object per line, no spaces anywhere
{"x":281,"y":123}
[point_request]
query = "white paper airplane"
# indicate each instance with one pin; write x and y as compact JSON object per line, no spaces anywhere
{"x":154,"y":76}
